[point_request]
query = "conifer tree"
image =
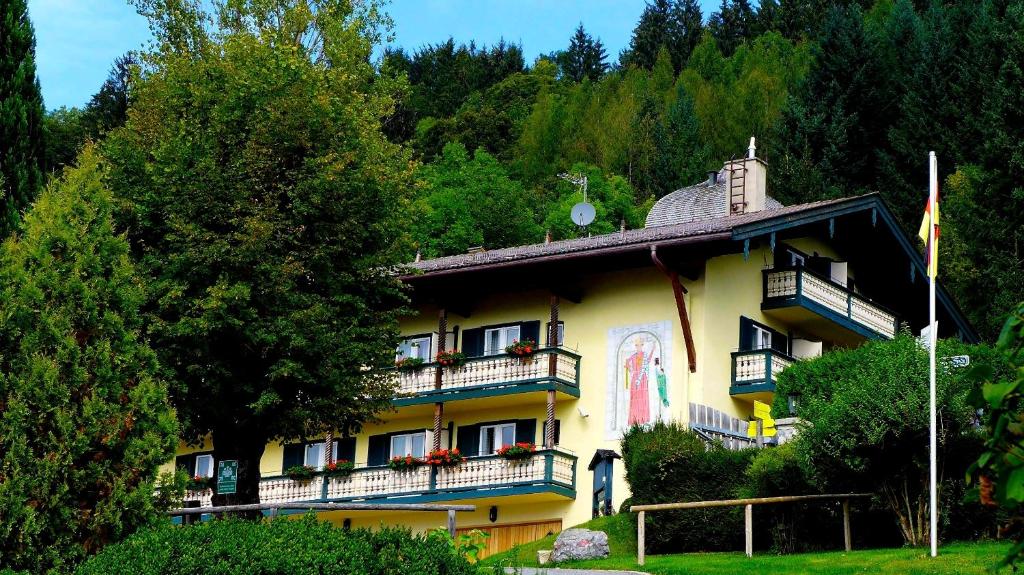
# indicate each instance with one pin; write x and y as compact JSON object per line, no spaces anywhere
{"x":21,"y":114}
{"x":650,"y":34}
{"x":585,"y":57}
{"x":84,"y":420}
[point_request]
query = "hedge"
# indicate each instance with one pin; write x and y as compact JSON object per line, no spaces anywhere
{"x":280,"y":547}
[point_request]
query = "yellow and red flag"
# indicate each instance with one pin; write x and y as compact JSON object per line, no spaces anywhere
{"x":929,"y":233}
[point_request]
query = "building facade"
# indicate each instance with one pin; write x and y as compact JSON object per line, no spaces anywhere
{"x":689,"y":319}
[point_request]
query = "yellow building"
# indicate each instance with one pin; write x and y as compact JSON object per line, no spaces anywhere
{"x":688,"y":319}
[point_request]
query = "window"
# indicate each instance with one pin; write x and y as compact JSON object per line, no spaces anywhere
{"x":494,"y":437}
{"x":415,"y":347}
{"x":314,"y":456}
{"x":762,"y":337}
{"x":204,"y":466}
{"x":408,"y":444}
{"x":796,"y":258}
{"x":496,"y":339}
{"x":561,"y":333}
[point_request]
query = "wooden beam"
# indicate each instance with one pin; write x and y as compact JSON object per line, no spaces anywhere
{"x":847,"y":540}
{"x":451,"y":523}
{"x":640,"y":518}
{"x":684,"y":319}
{"x":748,"y":529}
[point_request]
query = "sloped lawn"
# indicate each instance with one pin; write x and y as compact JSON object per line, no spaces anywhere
{"x":954,"y":558}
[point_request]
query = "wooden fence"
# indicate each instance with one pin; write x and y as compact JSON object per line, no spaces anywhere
{"x":316,"y":506}
{"x":748,"y":515}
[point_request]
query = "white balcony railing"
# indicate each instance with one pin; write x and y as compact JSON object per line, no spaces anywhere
{"x":554,"y":468}
{"x":797,"y":284}
{"x":491,"y":371}
{"x":757,"y":367}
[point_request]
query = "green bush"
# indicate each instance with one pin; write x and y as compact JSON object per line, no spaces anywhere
{"x":280,"y":547}
{"x":667,"y":463}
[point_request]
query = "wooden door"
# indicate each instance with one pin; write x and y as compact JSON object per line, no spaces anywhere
{"x":504,"y":537}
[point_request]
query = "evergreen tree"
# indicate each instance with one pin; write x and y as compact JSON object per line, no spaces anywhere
{"x":585,"y":57}
{"x":266,"y":209}
{"x":65,"y":135}
{"x":108,"y":108}
{"x":650,"y":169}
{"x":687,"y":27}
{"x":689,"y":155}
{"x":650,"y":34}
{"x":84,"y":420}
{"x":732,"y":24}
{"x":21,"y":114}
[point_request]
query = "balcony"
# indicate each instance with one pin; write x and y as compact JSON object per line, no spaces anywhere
{"x":548,"y":369}
{"x":549,"y":471}
{"x":804,"y":298}
{"x":754,"y":372}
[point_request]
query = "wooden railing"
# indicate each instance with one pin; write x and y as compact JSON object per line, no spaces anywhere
{"x":800,"y":285}
{"x":748,"y":515}
{"x":757,"y":367}
{"x":493,"y":371}
{"x":554,"y":467}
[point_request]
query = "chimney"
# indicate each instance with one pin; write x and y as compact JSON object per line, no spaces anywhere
{"x":712,"y":177}
{"x":746,"y":181}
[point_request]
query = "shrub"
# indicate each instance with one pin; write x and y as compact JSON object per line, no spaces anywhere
{"x":280,"y":547}
{"x":668,"y":463}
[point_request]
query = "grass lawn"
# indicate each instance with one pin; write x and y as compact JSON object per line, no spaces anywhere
{"x":953,"y":558}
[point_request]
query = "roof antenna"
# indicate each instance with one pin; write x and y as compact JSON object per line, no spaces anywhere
{"x":582,"y":213}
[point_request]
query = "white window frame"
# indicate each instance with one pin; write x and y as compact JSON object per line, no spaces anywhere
{"x":409,"y":438}
{"x":506,"y":335}
{"x":796,"y":259}
{"x":498,"y":430}
{"x":318,"y":461}
{"x":196,"y":469}
{"x":419,"y":346}
{"x":561,"y":334}
{"x":760,"y":335}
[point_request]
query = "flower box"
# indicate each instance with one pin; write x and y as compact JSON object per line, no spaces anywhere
{"x":522,"y":348}
{"x":409,"y":363}
{"x":340,"y":469}
{"x":199,"y":483}
{"x":406,"y":463}
{"x":445,"y":457}
{"x":517,"y":452}
{"x":300,"y":472}
{"x":451,"y":358}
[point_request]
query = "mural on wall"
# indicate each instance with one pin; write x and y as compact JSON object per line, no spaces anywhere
{"x":639,"y":364}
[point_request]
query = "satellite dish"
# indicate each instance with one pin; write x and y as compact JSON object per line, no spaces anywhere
{"x":583,"y":214}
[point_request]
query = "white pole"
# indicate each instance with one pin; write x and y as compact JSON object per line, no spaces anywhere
{"x":933,"y":337}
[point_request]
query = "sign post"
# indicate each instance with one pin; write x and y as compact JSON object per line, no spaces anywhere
{"x":227,"y":476}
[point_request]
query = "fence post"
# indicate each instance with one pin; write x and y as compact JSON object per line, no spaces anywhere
{"x":748,"y":528}
{"x":846,"y":525}
{"x":451,"y":523}
{"x":640,"y":517}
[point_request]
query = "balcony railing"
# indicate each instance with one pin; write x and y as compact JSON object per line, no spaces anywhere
{"x":756,"y":370}
{"x":799,"y":286}
{"x":491,"y":375}
{"x":551,"y":471}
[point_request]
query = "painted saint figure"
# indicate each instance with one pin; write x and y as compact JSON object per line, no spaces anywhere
{"x":637,"y":373}
{"x":659,"y":373}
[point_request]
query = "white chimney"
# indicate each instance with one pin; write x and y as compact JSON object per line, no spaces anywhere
{"x":746,"y":182}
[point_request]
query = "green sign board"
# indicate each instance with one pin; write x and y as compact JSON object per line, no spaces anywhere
{"x":227,"y":476}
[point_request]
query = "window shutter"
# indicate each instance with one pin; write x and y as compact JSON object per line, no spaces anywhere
{"x":467,"y":438}
{"x":530,"y":330}
{"x":186,"y":462}
{"x":746,"y":334}
{"x":526,"y":431}
{"x":294,"y":454}
{"x":379,"y":449}
{"x":780,"y":342}
{"x":473,"y":342}
{"x":346,"y":448}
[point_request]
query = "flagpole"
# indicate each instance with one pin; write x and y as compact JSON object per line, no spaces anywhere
{"x":933,"y":194}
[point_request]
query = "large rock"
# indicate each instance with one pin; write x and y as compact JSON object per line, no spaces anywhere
{"x":575,"y":544}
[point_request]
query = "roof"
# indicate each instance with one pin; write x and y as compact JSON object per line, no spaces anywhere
{"x":688,"y":232}
{"x":699,"y":202}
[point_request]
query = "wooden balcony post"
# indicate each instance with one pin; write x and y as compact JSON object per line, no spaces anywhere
{"x":847,"y":540}
{"x":442,"y":341}
{"x":640,"y":518}
{"x":549,"y":431}
{"x":748,"y":529}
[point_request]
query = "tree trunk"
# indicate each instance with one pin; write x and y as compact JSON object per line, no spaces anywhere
{"x":246,"y":448}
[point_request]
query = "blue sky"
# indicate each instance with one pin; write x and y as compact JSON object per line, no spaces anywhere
{"x":77,"y":40}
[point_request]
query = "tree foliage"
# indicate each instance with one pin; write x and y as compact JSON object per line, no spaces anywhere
{"x":264,"y":207}
{"x":866,"y":422}
{"x":585,"y":58}
{"x":84,"y":418}
{"x":21,"y":114}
